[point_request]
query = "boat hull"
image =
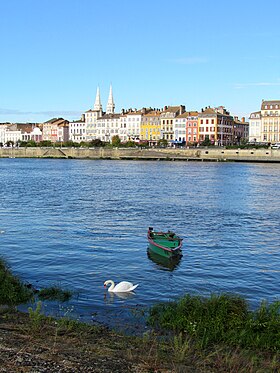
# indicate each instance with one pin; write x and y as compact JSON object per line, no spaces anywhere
{"x":163,"y":252}
{"x":166,"y":244}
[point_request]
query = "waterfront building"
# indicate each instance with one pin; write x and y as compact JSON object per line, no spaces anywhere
{"x":56,"y":130}
{"x":167,"y":118}
{"x":78,"y":130}
{"x":179,"y":128}
{"x":9,"y":133}
{"x":100,"y":125}
{"x":270,"y":121}
{"x":216,"y":125}
{"x":240,"y":130}
{"x":150,"y":126}
{"x":107,"y":126}
{"x":255,"y":127}
{"x":91,"y":117}
{"x":192,"y":127}
{"x":133,"y":124}
{"x":30,"y":132}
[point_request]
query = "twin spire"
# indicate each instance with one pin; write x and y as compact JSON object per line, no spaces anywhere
{"x":110,"y":108}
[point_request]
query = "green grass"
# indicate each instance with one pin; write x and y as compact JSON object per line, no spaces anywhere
{"x":12,"y":290}
{"x":220,"y":319}
{"x":54,"y":293}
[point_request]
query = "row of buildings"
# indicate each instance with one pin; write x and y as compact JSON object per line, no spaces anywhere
{"x":174,"y":124}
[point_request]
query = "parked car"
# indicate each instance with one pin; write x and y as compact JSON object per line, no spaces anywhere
{"x":276,"y":146}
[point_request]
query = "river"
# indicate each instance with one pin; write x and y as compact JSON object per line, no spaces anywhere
{"x":77,"y":223}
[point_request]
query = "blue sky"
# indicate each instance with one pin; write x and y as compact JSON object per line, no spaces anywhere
{"x":54,"y":54}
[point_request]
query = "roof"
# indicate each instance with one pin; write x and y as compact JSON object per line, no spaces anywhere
{"x":57,"y":121}
{"x":269,"y":103}
{"x":153,"y":113}
{"x":109,"y":116}
{"x":188,"y":114}
{"x":171,"y":109}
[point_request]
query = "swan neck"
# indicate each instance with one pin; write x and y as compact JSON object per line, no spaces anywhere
{"x":112,"y":285}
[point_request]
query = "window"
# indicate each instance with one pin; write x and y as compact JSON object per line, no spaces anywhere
{"x":212,"y":121}
{"x":207,"y":121}
{"x":201,"y":121}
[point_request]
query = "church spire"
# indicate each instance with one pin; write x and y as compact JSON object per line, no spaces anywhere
{"x":110,"y":104}
{"x":97,"y":104}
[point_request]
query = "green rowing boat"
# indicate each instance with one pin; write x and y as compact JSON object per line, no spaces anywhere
{"x":167,"y":244}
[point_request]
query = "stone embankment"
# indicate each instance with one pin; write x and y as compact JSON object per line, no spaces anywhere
{"x":191,"y":154}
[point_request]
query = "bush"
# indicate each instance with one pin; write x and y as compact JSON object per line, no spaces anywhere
{"x":12,"y":291}
{"x":220,"y":319}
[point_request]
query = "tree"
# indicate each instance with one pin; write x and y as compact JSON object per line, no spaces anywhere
{"x":116,"y":141}
{"x":162,"y":143}
{"x":206,"y":141}
{"x":96,"y":142}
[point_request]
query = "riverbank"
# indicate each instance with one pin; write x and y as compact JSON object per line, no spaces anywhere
{"x":30,"y":344}
{"x":191,"y":335}
{"x":167,"y":154}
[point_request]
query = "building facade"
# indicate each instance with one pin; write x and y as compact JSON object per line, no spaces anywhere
{"x":167,"y":121}
{"x":56,"y":130}
{"x":270,"y":121}
{"x":255,"y":123}
{"x":150,"y":126}
{"x":216,"y":125}
{"x":78,"y":130}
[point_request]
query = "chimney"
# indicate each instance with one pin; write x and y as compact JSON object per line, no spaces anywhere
{"x":243,"y":119}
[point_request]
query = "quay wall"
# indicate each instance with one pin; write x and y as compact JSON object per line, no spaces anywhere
{"x":192,"y":154}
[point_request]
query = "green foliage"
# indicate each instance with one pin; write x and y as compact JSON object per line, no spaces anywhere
{"x":36,"y":319}
{"x":221,"y":319}
{"x":116,"y":141}
{"x":162,"y":143}
{"x":206,"y":141}
{"x":45,"y":143}
{"x":69,"y":144}
{"x":12,"y":291}
{"x":54,"y":293}
{"x":96,"y":143}
{"x":129,"y":144}
{"x":181,"y":347}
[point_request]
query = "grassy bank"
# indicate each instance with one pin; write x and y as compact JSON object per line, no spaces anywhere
{"x":193,"y":334}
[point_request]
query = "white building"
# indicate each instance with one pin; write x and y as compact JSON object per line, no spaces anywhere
{"x":255,"y":123}
{"x":179,"y":127}
{"x":78,"y":130}
{"x":8,"y":134}
{"x":133,"y":124}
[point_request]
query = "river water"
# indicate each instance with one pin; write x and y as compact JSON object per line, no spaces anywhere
{"x":77,"y":223}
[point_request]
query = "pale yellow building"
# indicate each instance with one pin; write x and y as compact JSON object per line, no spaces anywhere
{"x":270,"y":121}
{"x":150,"y":126}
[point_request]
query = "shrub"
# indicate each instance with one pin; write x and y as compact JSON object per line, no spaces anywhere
{"x":12,"y":291}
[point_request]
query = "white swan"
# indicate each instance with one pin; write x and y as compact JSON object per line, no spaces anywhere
{"x":122,"y":287}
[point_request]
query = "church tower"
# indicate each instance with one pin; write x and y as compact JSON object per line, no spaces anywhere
{"x":97,"y":104}
{"x":110,"y":104}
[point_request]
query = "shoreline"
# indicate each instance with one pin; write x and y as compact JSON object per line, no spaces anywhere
{"x":151,"y":154}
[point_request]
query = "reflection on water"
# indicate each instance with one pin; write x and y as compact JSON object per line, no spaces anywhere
{"x":109,"y":296}
{"x":161,"y":262}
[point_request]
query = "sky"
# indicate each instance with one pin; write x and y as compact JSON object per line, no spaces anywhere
{"x":55,"y":53}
